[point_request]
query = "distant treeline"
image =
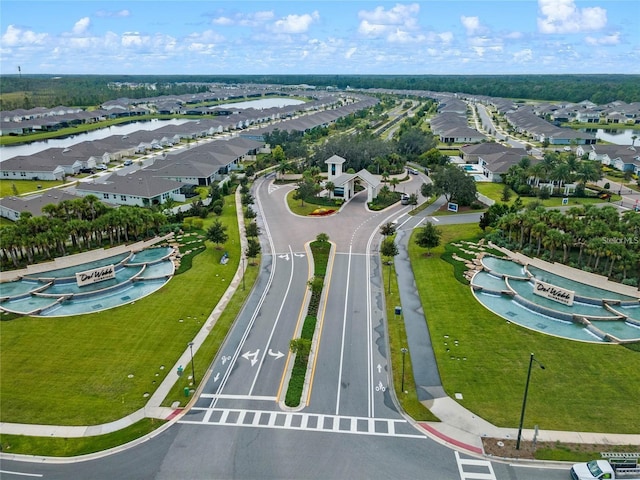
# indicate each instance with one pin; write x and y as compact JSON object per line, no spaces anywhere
{"x":28,"y":91}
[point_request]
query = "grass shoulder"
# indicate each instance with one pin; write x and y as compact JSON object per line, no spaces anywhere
{"x":494,"y":353}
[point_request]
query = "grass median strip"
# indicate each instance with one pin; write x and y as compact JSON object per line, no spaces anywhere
{"x":320,"y":250}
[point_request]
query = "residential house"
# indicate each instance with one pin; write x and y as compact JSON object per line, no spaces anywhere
{"x":141,"y":188}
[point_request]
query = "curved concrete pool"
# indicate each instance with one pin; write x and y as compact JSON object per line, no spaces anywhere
{"x":57,"y":292}
{"x":592,"y":314}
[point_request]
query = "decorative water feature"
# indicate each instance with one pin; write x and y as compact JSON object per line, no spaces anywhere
{"x":567,"y":308}
{"x":59,"y":293}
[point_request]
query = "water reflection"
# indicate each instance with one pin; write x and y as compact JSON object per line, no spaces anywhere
{"x":11,"y":151}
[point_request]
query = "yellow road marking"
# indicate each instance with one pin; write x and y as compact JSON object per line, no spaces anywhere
{"x":301,"y":315}
{"x":323,"y":305}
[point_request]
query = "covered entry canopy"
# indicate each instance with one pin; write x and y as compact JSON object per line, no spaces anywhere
{"x":344,"y":183}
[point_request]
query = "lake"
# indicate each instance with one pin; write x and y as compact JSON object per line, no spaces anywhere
{"x":11,"y":151}
{"x":620,"y":136}
{"x":263,"y":103}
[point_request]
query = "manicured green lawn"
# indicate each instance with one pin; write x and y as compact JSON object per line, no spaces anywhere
{"x":494,"y":191}
{"x":298,"y":208}
{"x":76,"y":370}
{"x":68,"y":447}
{"x":585,"y":387}
{"x":25,"y":186}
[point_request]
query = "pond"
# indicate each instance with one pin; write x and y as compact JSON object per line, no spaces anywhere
{"x":10,"y":151}
{"x":620,"y":136}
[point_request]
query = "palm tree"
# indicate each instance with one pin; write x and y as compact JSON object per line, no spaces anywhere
{"x":329,"y":187}
{"x":394,"y":182}
{"x":552,"y":240}
{"x":561,"y":173}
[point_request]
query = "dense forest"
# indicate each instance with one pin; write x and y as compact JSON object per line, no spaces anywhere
{"x":27,"y":91}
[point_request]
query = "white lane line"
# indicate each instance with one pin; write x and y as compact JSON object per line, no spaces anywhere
{"x":239,"y":397}
{"x":245,"y":334}
{"x":344,"y":328}
{"x":9,"y":472}
{"x":370,"y":366}
{"x":275,"y":324}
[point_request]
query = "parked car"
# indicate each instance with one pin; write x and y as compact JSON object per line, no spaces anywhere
{"x":101,"y":167}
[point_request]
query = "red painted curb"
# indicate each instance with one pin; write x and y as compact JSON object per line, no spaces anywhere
{"x":450,"y":440}
{"x":174,"y":414}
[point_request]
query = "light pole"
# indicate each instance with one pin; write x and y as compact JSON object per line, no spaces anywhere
{"x":524,"y":400}
{"x":193,"y":371}
{"x":404,"y":351}
{"x":243,"y":272}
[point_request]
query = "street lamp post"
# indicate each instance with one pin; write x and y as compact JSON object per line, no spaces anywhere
{"x":243,"y":272}
{"x":404,"y":351}
{"x":193,"y":371}
{"x":524,"y":400}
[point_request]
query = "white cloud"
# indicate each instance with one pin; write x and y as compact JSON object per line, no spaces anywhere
{"x":471,"y":24}
{"x":108,"y":13}
{"x":397,"y":24}
{"x":81,"y":26}
{"x":562,"y":16}
{"x":523,"y":56}
{"x":295,"y":23}
{"x":613,"y":39}
{"x":253,"y":19}
{"x":133,"y":39}
{"x":224,"y":21}
{"x":16,"y":37}
{"x":349,"y":53}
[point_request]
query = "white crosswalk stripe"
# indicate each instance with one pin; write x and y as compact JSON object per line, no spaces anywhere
{"x":480,"y":469}
{"x":301,"y":421}
{"x":272,"y":188}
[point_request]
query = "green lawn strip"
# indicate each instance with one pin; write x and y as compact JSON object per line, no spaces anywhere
{"x":558,"y":452}
{"x":567,"y":395}
{"x":71,"y":447}
{"x":397,"y":341}
{"x":423,"y":205}
{"x":25,"y":186}
{"x":203,"y":357}
{"x":297,"y":207}
{"x":320,"y":252}
{"x":494,"y":192}
{"x":77,"y":370}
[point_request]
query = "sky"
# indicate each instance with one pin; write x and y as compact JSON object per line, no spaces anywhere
{"x":319,"y":37}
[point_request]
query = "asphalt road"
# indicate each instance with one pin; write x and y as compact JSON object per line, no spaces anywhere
{"x":348,"y":426}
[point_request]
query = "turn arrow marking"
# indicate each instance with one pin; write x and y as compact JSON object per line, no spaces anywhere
{"x":253,"y":356}
{"x":277,"y":355}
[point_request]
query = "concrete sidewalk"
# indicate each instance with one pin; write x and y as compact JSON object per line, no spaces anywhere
{"x":153,"y":408}
{"x":458,"y":428}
